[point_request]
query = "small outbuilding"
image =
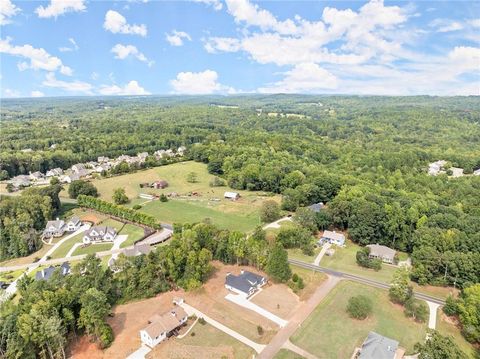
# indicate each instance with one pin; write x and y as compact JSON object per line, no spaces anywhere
{"x":316,"y":207}
{"x":159,"y":184}
{"x":232,"y":195}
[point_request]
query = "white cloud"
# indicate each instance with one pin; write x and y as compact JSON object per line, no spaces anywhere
{"x":199,"y":83}
{"x":7,"y":10}
{"x":176,"y":37}
{"x":37,"y":94}
{"x":60,"y":7}
{"x":446,"y":25}
{"x":116,"y":23}
{"x":9,"y":93}
{"x":216,"y":4}
{"x":132,"y":88}
{"x":370,"y":33}
{"x":71,"y":86}
{"x":475,"y":23}
{"x":123,"y":51}
{"x":68,"y":49}
{"x":303,"y":78}
{"x":465,"y":58}
{"x":39,"y":59}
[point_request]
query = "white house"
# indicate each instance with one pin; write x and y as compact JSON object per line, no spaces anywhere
{"x":54,"y":172}
{"x":245,"y":284}
{"x":54,"y":228}
{"x":36,"y":176}
{"x":73,"y":224}
{"x":332,"y":238}
{"x":232,"y":195}
{"x":163,"y":326}
{"x":99,"y":234}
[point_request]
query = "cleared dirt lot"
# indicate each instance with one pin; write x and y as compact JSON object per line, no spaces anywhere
{"x":211,"y":300}
{"x":277,"y":299}
{"x":129,"y":318}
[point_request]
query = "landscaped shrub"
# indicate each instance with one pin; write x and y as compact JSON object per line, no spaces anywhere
{"x":359,"y":307}
{"x":260,"y":330}
{"x":202,"y":321}
{"x":136,"y":207}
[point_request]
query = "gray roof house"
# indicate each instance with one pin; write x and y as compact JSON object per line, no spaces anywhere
{"x":54,"y":172}
{"x":244,"y":284}
{"x":138,"y":249}
{"x":36,"y":176}
{"x":377,"y":346}
{"x":333,"y":238}
{"x":73,"y":224}
{"x":21,"y":181}
{"x":46,"y":273}
{"x":382,"y":252}
{"x":54,"y":228}
{"x":316,"y":207}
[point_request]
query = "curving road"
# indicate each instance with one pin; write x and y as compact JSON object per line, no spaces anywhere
{"x":359,"y":279}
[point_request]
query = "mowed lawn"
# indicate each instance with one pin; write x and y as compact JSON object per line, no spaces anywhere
{"x":287,"y":354}
{"x":344,"y":260}
{"x":63,"y":249}
{"x":209,"y":336}
{"x":329,"y":332}
{"x":93,"y":248}
{"x":208,"y":203}
{"x":134,"y":233}
{"x":179,"y":211}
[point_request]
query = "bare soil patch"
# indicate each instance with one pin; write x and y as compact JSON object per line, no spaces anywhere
{"x":277,"y":299}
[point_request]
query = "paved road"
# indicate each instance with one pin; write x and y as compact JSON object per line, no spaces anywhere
{"x":82,"y":228}
{"x":191,"y":310}
{"x":302,"y":313}
{"x":362,"y":280}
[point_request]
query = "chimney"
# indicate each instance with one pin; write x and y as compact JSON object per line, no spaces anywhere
{"x":242,"y":271}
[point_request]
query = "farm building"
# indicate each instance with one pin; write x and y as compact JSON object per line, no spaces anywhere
{"x":232,"y":195}
{"x":159,"y":184}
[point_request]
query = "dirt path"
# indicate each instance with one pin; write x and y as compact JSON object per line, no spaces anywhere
{"x":296,"y":321}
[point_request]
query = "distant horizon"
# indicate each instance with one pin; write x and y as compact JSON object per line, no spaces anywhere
{"x":52,"y":48}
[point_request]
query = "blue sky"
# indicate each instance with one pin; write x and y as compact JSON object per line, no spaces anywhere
{"x":138,"y":47}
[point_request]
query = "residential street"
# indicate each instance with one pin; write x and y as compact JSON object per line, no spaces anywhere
{"x":283,"y":336}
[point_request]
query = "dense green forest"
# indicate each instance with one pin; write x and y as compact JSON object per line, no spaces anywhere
{"x":366,"y":156}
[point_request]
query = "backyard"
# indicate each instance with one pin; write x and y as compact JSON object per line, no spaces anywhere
{"x":446,"y":326}
{"x":329,"y":332}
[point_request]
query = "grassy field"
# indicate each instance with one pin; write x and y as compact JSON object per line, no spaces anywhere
{"x":134,"y":233}
{"x":287,"y":354}
{"x":311,"y":279}
{"x":93,"y":248}
{"x":209,"y":336}
{"x":330,"y":333}
{"x":446,"y":328}
{"x":10,"y":276}
{"x":240,"y":215}
{"x":345,"y":260}
{"x":179,"y":211}
{"x":62,"y":251}
{"x":296,"y":253}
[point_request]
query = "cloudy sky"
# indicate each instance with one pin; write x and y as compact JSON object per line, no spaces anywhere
{"x":141,"y":47}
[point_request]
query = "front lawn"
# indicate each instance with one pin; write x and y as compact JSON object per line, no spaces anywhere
{"x":329,"y":332}
{"x":92,"y":249}
{"x":134,"y":234}
{"x":344,"y":260}
{"x":287,"y":354}
{"x":63,"y":249}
